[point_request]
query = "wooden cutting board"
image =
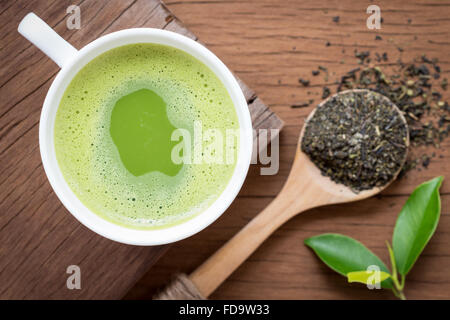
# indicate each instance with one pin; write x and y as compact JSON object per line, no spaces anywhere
{"x":39,"y":239}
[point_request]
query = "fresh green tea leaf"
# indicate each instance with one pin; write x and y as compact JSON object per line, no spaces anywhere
{"x":367,"y":277}
{"x":344,"y":254}
{"x":416,"y":224}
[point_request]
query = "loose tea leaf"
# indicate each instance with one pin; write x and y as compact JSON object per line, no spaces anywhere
{"x":358,"y":139}
{"x":301,"y":105}
{"x":304,"y":82}
{"x":326,"y":92}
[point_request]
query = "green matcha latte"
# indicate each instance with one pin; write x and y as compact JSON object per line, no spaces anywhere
{"x":113,"y":135}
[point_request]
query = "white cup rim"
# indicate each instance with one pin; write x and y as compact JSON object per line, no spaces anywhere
{"x":66,"y":195}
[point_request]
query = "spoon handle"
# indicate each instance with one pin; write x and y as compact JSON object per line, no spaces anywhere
{"x":208,"y":276}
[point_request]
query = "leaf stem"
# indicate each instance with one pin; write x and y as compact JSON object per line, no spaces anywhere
{"x":398,"y":287}
{"x":394,"y":291}
{"x":402,"y":283}
{"x":392,"y":258}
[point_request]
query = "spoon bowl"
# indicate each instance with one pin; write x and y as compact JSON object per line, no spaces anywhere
{"x":325,"y":190}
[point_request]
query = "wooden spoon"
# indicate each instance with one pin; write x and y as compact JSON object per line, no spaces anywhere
{"x":304,"y":189}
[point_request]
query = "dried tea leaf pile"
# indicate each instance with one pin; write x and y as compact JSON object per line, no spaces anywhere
{"x":358,"y":139}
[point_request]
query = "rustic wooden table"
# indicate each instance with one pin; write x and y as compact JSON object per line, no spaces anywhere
{"x":270,"y":44}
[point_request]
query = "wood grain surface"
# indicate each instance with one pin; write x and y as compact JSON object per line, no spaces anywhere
{"x":270,"y":44}
{"x":39,"y":239}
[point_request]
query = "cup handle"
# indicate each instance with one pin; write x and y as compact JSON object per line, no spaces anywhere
{"x":46,"y":39}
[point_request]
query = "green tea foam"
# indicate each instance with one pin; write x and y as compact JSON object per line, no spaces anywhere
{"x":90,"y":160}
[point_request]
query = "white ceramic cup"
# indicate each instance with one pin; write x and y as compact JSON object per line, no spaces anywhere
{"x":71,"y":61}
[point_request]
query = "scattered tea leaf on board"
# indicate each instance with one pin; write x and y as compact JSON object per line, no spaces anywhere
{"x":366,"y":277}
{"x":344,"y":254}
{"x":416,"y":224}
